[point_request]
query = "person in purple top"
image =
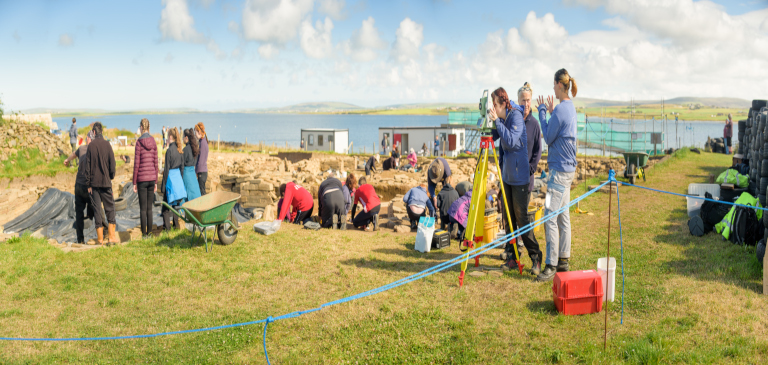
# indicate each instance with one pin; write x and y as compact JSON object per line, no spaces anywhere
{"x":201,"y":166}
{"x":560,"y":135}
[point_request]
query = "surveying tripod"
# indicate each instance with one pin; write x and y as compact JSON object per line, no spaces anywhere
{"x":475,"y":219}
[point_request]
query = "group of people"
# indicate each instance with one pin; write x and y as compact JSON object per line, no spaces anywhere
{"x":335,"y":199}
{"x":424,"y":151}
{"x":185,"y":172}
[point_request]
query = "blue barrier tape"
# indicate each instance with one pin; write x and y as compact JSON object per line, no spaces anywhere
{"x":696,"y":197}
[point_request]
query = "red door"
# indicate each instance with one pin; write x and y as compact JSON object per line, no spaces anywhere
{"x":451,"y":142}
{"x":397,"y":141}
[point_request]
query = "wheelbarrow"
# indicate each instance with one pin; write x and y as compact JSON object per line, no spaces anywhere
{"x":214,"y":209}
{"x":635,"y":162}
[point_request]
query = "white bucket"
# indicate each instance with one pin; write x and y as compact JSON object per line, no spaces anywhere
{"x":611,"y":276}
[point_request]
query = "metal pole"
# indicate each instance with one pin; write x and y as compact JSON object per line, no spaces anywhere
{"x":607,"y":263}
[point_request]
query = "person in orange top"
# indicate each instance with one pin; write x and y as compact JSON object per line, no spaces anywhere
{"x":299,"y":199}
{"x":366,"y":195}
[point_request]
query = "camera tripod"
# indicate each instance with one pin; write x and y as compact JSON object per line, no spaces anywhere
{"x":475,"y":218}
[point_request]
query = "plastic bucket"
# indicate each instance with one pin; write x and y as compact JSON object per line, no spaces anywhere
{"x":490,"y":229}
{"x":534,"y":214}
{"x":611,"y":273}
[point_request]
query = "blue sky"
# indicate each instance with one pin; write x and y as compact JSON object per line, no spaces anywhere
{"x":223,"y":55}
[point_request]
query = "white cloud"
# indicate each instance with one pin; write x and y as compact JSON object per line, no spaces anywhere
{"x":176,"y":22}
{"x":274,"y":21}
{"x":408,"y":38}
{"x":365,"y":43}
{"x":66,"y":40}
{"x":268,"y":51}
{"x":333,"y":8}
{"x":316,"y":41}
{"x":233,"y":27}
{"x":213,"y":47}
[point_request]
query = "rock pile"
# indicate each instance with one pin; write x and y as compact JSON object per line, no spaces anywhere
{"x":16,"y":136}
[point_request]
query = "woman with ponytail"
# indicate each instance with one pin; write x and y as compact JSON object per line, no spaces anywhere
{"x":172,"y":186}
{"x":201,"y":167}
{"x":560,"y":135}
{"x":191,"y":151}
{"x":145,"y":171}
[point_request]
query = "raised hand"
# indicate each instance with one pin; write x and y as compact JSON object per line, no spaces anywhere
{"x":539,"y":101}
{"x":550,"y":104}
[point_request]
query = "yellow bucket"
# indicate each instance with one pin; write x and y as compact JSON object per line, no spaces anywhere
{"x":534,"y":214}
{"x":490,"y":228}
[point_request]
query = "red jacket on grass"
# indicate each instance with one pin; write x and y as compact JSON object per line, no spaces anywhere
{"x":367,"y":195}
{"x":298,"y":198}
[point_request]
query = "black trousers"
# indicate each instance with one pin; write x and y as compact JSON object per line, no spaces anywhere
{"x":99,"y":197}
{"x":446,"y":224}
{"x":413,"y":217}
{"x":518,"y":197}
{"x":168,"y":215}
{"x":202,"y":177}
{"x":333,"y":204}
{"x":146,"y":191}
{"x":364,"y":218}
{"x":367,"y":171}
{"x":82,"y":203}
{"x":460,"y":233}
{"x":301,"y":216}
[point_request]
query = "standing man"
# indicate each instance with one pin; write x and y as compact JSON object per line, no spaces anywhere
{"x":728,"y":134}
{"x":73,"y":134}
{"x":518,"y":166}
{"x":437,"y":146}
{"x":385,"y":144}
{"x":301,"y":147}
{"x":560,"y":135}
{"x":165,"y":136}
{"x":82,"y":199}
{"x":99,"y":172}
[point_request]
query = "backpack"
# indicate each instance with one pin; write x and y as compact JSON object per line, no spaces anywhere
{"x":712,"y":213}
{"x":747,"y":228}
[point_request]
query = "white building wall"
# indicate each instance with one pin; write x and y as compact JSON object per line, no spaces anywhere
{"x":417,"y":137}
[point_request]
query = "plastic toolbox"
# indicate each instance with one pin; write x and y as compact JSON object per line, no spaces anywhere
{"x":441,"y":239}
{"x":578,"y":292}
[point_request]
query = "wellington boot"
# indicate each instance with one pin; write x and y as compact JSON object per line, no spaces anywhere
{"x":100,"y":236}
{"x":112,"y":235}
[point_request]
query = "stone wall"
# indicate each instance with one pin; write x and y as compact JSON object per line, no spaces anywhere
{"x":32,"y":118}
{"x":16,"y":136}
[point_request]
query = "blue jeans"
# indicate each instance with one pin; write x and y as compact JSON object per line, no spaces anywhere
{"x":558,"y":228}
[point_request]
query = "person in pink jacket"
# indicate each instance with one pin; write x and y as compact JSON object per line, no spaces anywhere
{"x":459,"y":212}
{"x":412,"y":158}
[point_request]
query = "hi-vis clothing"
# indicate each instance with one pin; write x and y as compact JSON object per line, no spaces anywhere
{"x":726,"y":225}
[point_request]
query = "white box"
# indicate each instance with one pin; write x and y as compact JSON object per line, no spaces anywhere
{"x":694,"y":205}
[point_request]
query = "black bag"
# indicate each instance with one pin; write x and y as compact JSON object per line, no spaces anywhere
{"x":712,"y":213}
{"x":747,"y":229}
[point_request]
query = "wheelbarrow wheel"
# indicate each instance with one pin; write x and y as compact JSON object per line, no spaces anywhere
{"x":227,"y":233}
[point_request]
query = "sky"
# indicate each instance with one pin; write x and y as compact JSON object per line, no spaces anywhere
{"x":242,"y":54}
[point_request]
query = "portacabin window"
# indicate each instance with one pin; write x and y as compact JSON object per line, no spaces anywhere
{"x":319,"y":139}
{"x":311,"y":139}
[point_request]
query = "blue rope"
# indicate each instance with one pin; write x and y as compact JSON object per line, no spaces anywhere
{"x":269,"y":319}
{"x":612,"y":176}
{"x":696,"y":197}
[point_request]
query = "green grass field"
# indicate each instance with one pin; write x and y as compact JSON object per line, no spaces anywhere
{"x":31,"y":162}
{"x":688,"y":300}
{"x":650,"y":111}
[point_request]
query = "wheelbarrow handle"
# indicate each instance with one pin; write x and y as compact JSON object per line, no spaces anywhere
{"x":177,"y":212}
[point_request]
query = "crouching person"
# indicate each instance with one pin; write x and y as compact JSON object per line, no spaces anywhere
{"x":330,"y":200}
{"x":445,"y":199}
{"x":99,"y":172}
{"x":299,"y":199}
{"x":417,"y":201}
{"x":366,"y":195}
{"x":459,"y":212}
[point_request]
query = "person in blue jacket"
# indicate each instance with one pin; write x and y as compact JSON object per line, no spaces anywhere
{"x":417,"y":201}
{"x":560,"y":135}
{"x":515,"y":171}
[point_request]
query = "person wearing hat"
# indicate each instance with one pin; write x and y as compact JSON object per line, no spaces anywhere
{"x":437,"y":172}
{"x":370,"y":166}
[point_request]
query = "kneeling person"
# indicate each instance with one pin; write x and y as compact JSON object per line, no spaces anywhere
{"x":366,"y":195}
{"x":417,"y":200}
{"x":330,"y":200}
{"x":299,"y":199}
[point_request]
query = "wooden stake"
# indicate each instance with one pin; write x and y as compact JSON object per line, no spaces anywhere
{"x":607,"y":265}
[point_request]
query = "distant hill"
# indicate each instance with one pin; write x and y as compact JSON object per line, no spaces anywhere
{"x":718,"y":102}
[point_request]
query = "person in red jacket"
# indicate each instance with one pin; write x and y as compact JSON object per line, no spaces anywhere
{"x":299,"y":199}
{"x":145,"y":171}
{"x":366,"y":195}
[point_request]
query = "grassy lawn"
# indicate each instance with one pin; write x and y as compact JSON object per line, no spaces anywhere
{"x":32,"y":162}
{"x":688,"y":299}
{"x":654,"y":110}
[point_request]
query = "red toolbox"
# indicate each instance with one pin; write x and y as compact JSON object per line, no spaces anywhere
{"x":578,"y":292}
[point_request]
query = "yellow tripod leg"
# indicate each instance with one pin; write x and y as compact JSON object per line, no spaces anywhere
{"x":506,"y":207}
{"x":475,"y":210}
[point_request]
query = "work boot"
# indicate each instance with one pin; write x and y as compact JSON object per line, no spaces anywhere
{"x":100,"y":236}
{"x":375,"y":222}
{"x":562,"y":265}
{"x":334,"y":222}
{"x":112,"y":235}
{"x":343,"y":223}
{"x":546,"y":275}
{"x":511,"y":265}
{"x":535,"y":265}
